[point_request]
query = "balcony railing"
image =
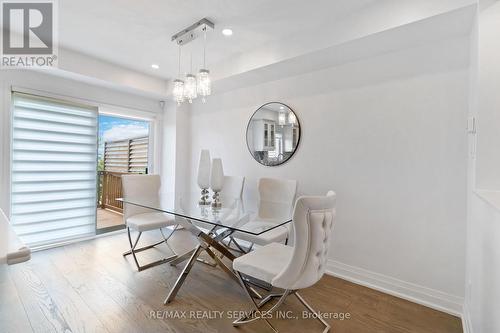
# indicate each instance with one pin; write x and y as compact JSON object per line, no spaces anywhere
{"x":110,"y":190}
{"x":120,"y":158}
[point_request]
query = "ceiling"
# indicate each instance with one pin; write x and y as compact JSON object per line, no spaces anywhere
{"x":136,"y":34}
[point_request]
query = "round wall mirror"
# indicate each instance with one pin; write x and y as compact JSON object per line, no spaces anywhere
{"x":273,"y":134}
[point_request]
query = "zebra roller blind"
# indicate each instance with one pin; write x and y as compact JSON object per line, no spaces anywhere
{"x":54,"y":148}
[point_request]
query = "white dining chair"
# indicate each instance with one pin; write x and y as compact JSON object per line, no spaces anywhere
{"x":142,"y":219}
{"x":232,"y":189}
{"x":276,"y":199}
{"x":292,"y":268}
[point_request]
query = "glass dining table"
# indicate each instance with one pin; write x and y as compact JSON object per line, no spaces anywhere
{"x":211,"y":226}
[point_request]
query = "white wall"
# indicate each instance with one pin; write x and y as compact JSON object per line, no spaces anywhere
{"x":176,"y":147}
{"x":388,"y":135}
{"x":488,"y":156}
{"x":482,"y":299}
{"x":30,"y":79}
{"x":483,"y":269}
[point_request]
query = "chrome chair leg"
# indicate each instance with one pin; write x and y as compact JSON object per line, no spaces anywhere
{"x":309,"y":307}
{"x":263,"y":302}
{"x":165,"y":239}
{"x":282,"y":297}
{"x":256,"y":307}
{"x":132,"y":247}
{"x":170,"y":235}
{"x":133,"y":251}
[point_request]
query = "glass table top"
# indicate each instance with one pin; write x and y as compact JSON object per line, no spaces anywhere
{"x":232,"y":215}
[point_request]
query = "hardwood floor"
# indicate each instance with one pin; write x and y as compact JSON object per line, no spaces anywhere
{"x":90,"y":287}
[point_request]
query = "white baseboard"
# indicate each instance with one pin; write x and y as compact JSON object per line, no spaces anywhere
{"x":77,"y":240}
{"x":466,"y":321}
{"x":422,"y":295}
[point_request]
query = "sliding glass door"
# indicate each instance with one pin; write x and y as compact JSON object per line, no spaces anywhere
{"x":53,"y":177}
{"x":66,"y":167}
{"x":123,"y":149}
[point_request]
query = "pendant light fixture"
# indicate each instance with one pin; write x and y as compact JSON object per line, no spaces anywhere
{"x":282,"y":117}
{"x":178,"y":91}
{"x":192,"y":86}
{"x":204,"y":84}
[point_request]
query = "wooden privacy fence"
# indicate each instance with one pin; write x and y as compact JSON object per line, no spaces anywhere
{"x":126,"y":155}
{"x":121,"y":157}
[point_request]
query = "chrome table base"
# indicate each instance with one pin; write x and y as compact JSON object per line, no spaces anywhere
{"x":208,"y":242}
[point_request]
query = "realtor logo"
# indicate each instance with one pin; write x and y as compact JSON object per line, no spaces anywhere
{"x":28,"y":34}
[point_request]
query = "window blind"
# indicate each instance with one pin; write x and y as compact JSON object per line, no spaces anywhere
{"x":53,"y":181}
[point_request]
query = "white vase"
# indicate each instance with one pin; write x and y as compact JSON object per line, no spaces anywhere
{"x":217,"y":181}
{"x":204,"y":176}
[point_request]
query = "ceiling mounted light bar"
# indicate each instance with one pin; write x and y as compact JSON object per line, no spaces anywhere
{"x":193,"y":31}
{"x":192,"y":86}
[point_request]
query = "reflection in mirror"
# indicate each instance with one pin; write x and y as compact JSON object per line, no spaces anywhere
{"x":273,"y":134}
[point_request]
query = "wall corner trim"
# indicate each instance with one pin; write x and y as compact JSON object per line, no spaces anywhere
{"x":418,"y":294}
{"x":466,"y":320}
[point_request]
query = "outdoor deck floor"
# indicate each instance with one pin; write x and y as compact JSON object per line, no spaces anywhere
{"x":107,"y":218}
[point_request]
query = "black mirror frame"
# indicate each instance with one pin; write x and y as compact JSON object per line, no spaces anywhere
{"x":298,"y":140}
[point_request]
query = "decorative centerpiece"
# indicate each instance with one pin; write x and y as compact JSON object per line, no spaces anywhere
{"x":204,"y":176}
{"x":217,"y":182}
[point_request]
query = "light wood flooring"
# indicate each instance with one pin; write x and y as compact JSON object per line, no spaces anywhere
{"x":90,"y":287}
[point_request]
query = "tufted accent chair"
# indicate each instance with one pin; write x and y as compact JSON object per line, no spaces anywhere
{"x":297,"y":267}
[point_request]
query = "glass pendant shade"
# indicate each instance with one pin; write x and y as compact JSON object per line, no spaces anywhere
{"x":282,"y":118}
{"x":292,"y":119}
{"x":178,"y":91}
{"x":190,"y":88}
{"x":204,"y":84}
